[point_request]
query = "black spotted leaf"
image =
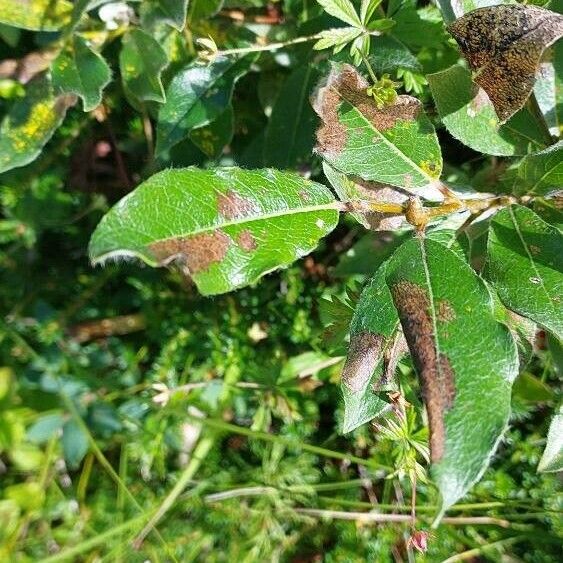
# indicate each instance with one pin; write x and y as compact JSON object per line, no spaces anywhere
{"x":461,"y":355}
{"x":525,"y":265}
{"x":226,"y":227}
{"x":395,"y":144}
{"x":503,"y":46}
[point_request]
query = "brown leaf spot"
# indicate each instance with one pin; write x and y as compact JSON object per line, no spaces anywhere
{"x":246,"y":241}
{"x":363,"y":354}
{"x":233,"y":206}
{"x":504,"y":45}
{"x":436,"y":375}
{"x":347,"y":85}
{"x":445,"y":312}
{"x":198,"y":252}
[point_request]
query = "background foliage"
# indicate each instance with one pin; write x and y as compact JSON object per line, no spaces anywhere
{"x":121,"y":385}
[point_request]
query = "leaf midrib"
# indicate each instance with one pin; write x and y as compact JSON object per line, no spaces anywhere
{"x":393,"y":147}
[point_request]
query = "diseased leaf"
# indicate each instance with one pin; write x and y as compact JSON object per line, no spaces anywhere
{"x":343,"y":10}
{"x":141,"y":62}
{"x":469,"y":116}
{"x":503,"y":46}
{"x":394,"y":145}
{"x":196,"y":96}
{"x":212,"y":139}
{"x":367,"y":371}
{"x":541,"y":172}
{"x":460,"y":352}
{"x":525,"y":265}
{"x":80,"y":70}
{"x":226,"y":227}
{"x":290,"y":134}
{"x":30,"y":123}
{"x":552,"y":458}
{"x":358,"y":190}
{"x":452,"y":9}
{"x":36,"y":15}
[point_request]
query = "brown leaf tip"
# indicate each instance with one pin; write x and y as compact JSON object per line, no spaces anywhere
{"x":436,"y":375}
{"x":363,"y":354}
{"x":197,"y":253}
{"x":345,"y":84}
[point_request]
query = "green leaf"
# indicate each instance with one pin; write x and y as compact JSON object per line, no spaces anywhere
{"x":37,"y":15}
{"x":541,"y":172}
{"x":30,"y":123}
{"x":45,"y":427}
{"x":227,"y":227}
{"x":196,"y":96}
{"x":75,"y":443}
{"x":337,"y":38}
{"x":394,"y":145}
{"x":80,"y":70}
{"x":525,"y":265}
{"x":370,"y":364}
{"x":552,"y":458}
{"x":343,"y":10}
{"x":367,"y":9}
{"x":387,"y":54}
{"x":171,"y":12}
{"x":461,"y":354}
{"x":212,"y":139}
{"x":469,"y":116}
{"x":290,"y":134}
{"x":418,"y":28}
{"x":202,"y":9}
{"x":141,"y":61}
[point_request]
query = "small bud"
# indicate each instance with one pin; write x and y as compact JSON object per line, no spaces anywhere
{"x":419,"y":540}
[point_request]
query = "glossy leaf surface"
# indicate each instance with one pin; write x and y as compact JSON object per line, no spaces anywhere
{"x":460,"y":353}
{"x":196,"y":96}
{"x":525,"y":264}
{"x":542,"y":172}
{"x":226,"y":227}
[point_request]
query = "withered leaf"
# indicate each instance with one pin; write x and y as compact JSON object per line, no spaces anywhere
{"x":504,"y":46}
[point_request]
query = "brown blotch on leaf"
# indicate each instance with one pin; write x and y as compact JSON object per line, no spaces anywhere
{"x":347,"y":85}
{"x":434,"y":370}
{"x":363,"y":354}
{"x":504,"y":46}
{"x":379,"y":193}
{"x":233,"y":206}
{"x":197,"y":253}
{"x":246,"y":241}
{"x":445,"y":312}
{"x":393,"y":354}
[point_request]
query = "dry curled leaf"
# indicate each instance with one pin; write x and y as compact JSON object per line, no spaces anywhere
{"x":504,"y":46}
